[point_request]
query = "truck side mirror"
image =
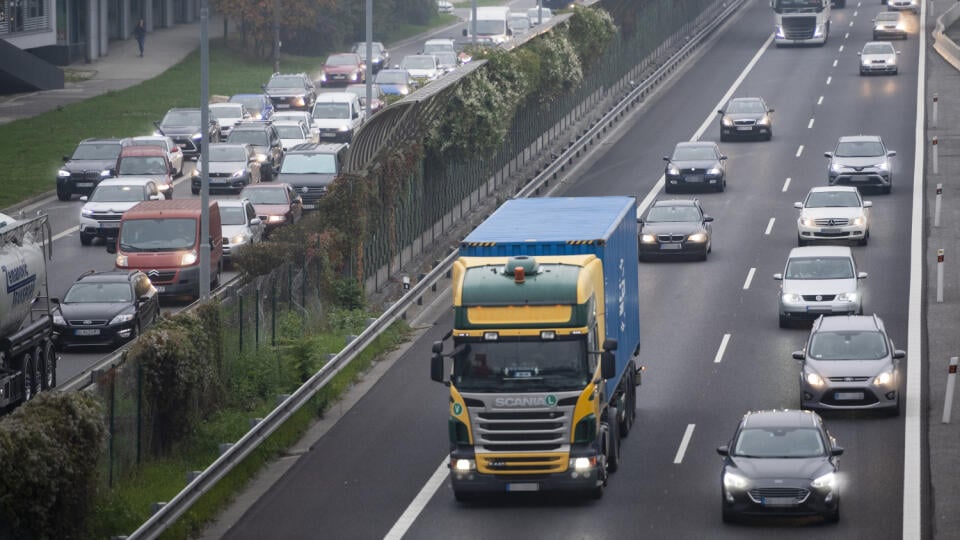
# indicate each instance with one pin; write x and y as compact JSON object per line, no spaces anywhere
{"x":436,"y":367}
{"x":608,"y":365}
{"x":609,"y":344}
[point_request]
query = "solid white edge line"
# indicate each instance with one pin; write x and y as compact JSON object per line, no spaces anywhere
{"x":419,"y":502}
{"x":684,"y":442}
{"x":912,"y":455}
{"x":655,"y":190}
{"x":722,"y":349}
{"x":799,"y":151}
{"x":749,"y":280}
{"x":786,"y":185}
{"x":810,"y":124}
{"x":770,"y":226}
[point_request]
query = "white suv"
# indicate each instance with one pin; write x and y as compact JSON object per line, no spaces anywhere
{"x":833,"y":213}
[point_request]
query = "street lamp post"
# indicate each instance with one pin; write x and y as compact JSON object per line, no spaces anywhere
{"x":204,"y":151}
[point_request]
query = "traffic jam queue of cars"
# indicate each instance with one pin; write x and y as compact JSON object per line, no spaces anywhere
{"x":273,"y":153}
{"x":785,"y":462}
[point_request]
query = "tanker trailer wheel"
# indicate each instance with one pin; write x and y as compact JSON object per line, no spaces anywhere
{"x":47,"y":359}
{"x":31,"y":377}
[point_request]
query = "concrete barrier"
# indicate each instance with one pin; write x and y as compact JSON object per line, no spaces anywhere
{"x":947,"y":48}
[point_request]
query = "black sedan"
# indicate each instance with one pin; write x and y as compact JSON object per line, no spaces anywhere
{"x":675,"y":227}
{"x":780,"y":463}
{"x":105,"y":309}
{"x":695,"y":164}
{"x":746,"y":117}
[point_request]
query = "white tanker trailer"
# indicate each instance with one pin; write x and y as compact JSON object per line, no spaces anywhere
{"x":28,"y":361}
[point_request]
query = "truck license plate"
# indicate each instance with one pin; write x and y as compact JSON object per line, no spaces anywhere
{"x":523,"y":487}
{"x":87,"y":332}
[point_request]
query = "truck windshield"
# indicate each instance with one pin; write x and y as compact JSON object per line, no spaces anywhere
{"x":797,"y":6}
{"x":140,"y":165}
{"x":167,"y":234}
{"x":488,"y":27}
{"x":514,"y":366}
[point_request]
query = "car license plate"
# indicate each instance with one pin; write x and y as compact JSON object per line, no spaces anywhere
{"x":84,"y":184}
{"x":160,"y":288}
{"x":858,"y":179}
{"x":110,"y":225}
{"x":309,"y":206}
{"x":779,"y":501}
{"x":693,"y":178}
{"x":328,"y":134}
{"x":218,"y":180}
{"x":744,"y":128}
{"x":283,"y":105}
{"x":848,"y":396}
{"x":830,"y":231}
{"x":670,"y":246}
{"x":523,"y":487}
{"x":87,"y":332}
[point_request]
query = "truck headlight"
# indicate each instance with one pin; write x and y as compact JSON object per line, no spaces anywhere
{"x":582,"y":464}
{"x":735,"y":481}
{"x":121,"y":261}
{"x":697,"y":238}
{"x":814,"y":380}
{"x":827,"y":481}
{"x":188,"y":259}
{"x":883,"y":379}
{"x":464,"y":465}
{"x":779,"y":31}
{"x":122,"y":318}
{"x":648,"y":239}
{"x":63,"y":174}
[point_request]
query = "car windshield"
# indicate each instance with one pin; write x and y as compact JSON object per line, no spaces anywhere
{"x":521,"y":366}
{"x":392,"y":77}
{"x":878,"y":48}
{"x":819,"y":268}
{"x":252,"y":103}
{"x":661,"y":214}
{"x":446,"y":58}
{"x":108,"y":193}
{"x":227,"y":153}
{"x":290,"y":132}
{"x":233,"y":215}
{"x":519,"y":23}
{"x":434,"y":48}
{"x":265,"y":196}
{"x":361,"y":48}
{"x":103,"y":151}
{"x":159,"y":143}
{"x":418,"y":62}
{"x":740,"y":106}
{"x":888,"y":16}
{"x":309,"y":164}
{"x":343,"y":60}
{"x":535,"y":16}
{"x":331,"y":110}
{"x":160,"y":234}
{"x":830,"y":199}
{"x":182,"y":118}
{"x":292,"y":115}
{"x":140,"y":165}
{"x":285,"y":82}
{"x":361,"y":90}
{"x":859,"y":149}
{"x":92,"y":292}
{"x":848,"y":345}
{"x":774,"y":442}
{"x":249,"y":136}
{"x":693,"y":153}
{"x":227,"y":113}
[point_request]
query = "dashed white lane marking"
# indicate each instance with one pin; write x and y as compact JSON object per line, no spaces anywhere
{"x":749,"y":280}
{"x":829,"y":79}
{"x":786,"y":185}
{"x":687,"y":435}
{"x":799,"y":150}
{"x":835,"y":62}
{"x":819,"y":101}
{"x":810,"y":124}
{"x":419,"y":503}
{"x":846,"y":36}
{"x":840,"y":49}
{"x":770,"y":226}
{"x":855,"y":13}
{"x":851,"y":23}
{"x":722,"y":349}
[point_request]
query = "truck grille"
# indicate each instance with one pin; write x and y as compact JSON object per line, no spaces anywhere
{"x":799,"y":27}
{"x":526,"y":431}
{"x":520,"y":464}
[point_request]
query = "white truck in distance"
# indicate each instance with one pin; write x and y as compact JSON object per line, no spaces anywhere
{"x":492,"y":25}
{"x":801,"y":22}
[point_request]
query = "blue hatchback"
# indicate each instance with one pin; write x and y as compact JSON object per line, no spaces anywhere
{"x":259,"y":105}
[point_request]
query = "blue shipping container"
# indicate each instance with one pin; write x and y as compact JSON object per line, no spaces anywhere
{"x":603,"y":226}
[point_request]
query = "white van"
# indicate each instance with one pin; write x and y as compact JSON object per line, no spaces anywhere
{"x":493,"y":25}
{"x":337,"y":115}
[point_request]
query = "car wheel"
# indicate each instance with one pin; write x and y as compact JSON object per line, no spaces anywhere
{"x":63,"y":193}
{"x":168,"y":194}
{"x":727,"y":515}
{"x":667,"y":188}
{"x":833,"y":517}
{"x":195,"y":191}
{"x":866,"y":238}
{"x":722,"y":185}
{"x":703,"y":256}
{"x":85,"y":239}
{"x":888,"y":188}
{"x":710,"y":245}
{"x":769,"y":135}
{"x":723,"y":138}
{"x":784,"y":322}
{"x":800,"y":241}
{"x":862,"y":72}
{"x":136,"y":332}
{"x":895,"y":71}
{"x":875,"y":37}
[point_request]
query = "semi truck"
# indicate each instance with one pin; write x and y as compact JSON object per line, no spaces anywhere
{"x":28,"y":360}
{"x":801,"y":22}
{"x":545,"y":345}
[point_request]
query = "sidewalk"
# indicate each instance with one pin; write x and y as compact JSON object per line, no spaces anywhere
{"x":121,"y":68}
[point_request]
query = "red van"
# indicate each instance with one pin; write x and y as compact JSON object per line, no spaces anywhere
{"x":149,"y":161}
{"x":162,"y":239}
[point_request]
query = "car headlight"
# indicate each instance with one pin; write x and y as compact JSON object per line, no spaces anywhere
{"x":735,"y":481}
{"x":196,"y":172}
{"x":122,"y":318}
{"x":791,"y":298}
{"x":726,"y":121}
{"x":188,"y":259}
{"x":648,"y":239}
{"x":86,"y":212}
{"x":765,"y":121}
{"x":105,"y":173}
{"x":258,"y":116}
{"x":276,"y":219}
{"x":859,"y":221}
{"x":697,"y":238}
{"x":323,"y":76}
{"x":885,"y":166}
{"x":836,"y":167}
{"x":261,"y":157}
{"x":404,"y":91}
{"x":883,"y":379}
{"x":807,"y":222}
{"x":238,"y":239}
{"x":847,"y":297}
{"x":197,"y":135}
{"x":355,"y":76}
{"x":827,"y":481}
{"x":672,"y":170}
{"x":299,"y":101}
{"x":239,"y":173}
{"x":814,"y":380}
{"x":121,"y":261}
{"x":343,"y":128}
{"x":156,"y":133}
{"x":63,"y":174}
{"x":58,"y":320}
{"x":714,"y":171}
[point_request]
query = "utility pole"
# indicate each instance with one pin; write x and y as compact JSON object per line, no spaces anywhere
{"x":473,"y":22}
{"x":204,"y":151}
{"x":366,"y":72}
{"x":276,"y":36}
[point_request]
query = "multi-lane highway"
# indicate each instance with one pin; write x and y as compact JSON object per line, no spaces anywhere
{"x":710,"y":338}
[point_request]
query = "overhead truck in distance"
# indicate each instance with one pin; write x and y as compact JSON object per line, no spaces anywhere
{"x":801,"y":22}
{"x":545,"y":346}
{"x":28,"y":360}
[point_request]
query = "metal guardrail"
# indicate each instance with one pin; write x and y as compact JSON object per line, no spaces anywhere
{"x":947,"y":48}
{"x":166,"y":515}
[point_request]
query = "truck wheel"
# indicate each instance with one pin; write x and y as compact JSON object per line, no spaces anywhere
{"x":49,"y":370}
{"x":629,"y":405}
{"x":613,"y":439}
{"x":31,"y":377}
{"x":596,"y":493}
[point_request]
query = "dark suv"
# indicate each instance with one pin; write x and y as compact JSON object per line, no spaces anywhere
{"x":105,"y":308}
{"x":310,"y":168}
{"x":266,"y":142}
{"x":183,"y":126}
{"x":92,"y":161}
{"x":291,"y":91}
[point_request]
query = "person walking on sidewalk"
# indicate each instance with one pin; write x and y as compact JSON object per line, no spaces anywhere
{"x":140,"y":32}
